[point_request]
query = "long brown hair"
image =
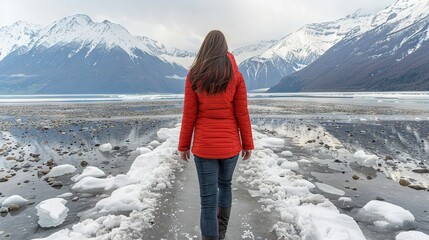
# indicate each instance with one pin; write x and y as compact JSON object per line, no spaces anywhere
{"x":212,"y":69}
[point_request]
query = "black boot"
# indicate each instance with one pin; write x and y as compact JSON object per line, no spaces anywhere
{"x":223,"y":218}
{"x":210,"y":238}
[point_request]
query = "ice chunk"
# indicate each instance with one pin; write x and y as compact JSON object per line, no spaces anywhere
{"x":329,"y":189}
{"x":154,"y":143}
{"x":345,"y":199}
{"x":368,"y":159}
{"x":14,"y":200}
{"x":324,"y":221}
{"x":412,"y":235}
{"x":287,"y":153}
{"x":385,"y":215}
{"x":89,"y":172}
{"x":96,"y":185}
{"x":61,"y":170}
{"x":52,"y":212}
{"x":65,"y":195}
{"x":290,"y":165}
{"x":143,"y":150}
{"x":105,"y":147}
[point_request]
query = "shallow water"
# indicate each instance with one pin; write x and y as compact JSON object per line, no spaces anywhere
{"x":69,"y":143}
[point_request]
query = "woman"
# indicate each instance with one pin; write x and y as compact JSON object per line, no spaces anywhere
{"x":215,"y":111}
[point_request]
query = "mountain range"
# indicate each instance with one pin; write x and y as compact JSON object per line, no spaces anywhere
{"x":78,"y":55}
{"x":390,"y":56}
{"x":299,"y":49}
{"x":360,"y":52}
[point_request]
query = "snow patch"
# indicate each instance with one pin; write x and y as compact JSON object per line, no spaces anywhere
{"x":14,"y":200}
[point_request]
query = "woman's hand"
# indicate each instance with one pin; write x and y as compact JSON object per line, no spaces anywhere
{"x":246,"y":154}
{"x":185,"y":155}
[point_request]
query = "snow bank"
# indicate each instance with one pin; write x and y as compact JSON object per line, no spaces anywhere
{"x":105,"y":147}
{"x":61,"y":170}
{"x":412,"y":235}
{"x":14,"y":200}
{"x":89,"y":171}
{"x":303,"y":215}
{"x":385,"y":215}
{"x":52,"y":212}
{"x":135,"y":192}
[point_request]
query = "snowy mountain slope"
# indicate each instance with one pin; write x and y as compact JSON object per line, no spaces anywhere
{"x":252,"y":50}
{"x":391,"y":56}
{"x":15,"y":36}
{"x":86,"y":51}
{"x":299,"y":49}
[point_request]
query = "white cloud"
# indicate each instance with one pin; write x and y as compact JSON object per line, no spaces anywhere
{"x":184,"y":23}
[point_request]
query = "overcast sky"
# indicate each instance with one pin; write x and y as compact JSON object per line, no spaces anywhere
{"x":184,"y":23}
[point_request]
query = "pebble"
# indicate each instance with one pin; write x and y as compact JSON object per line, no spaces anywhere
{"x":13,"y":207}
{"x":421,"y":170}
{"x":84,"y":163}
{"x":50,"y":162}
{"x":379,"y":198}
{"x":3,"y":179}
{"x":57,"y":184}
{"x":355,"y":177}
{"x":404,"y":182}
{"x":75,"y":199}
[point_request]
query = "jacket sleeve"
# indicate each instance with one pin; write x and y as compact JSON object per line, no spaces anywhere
{"x":190,"y":109}
{"x":242,"y":113}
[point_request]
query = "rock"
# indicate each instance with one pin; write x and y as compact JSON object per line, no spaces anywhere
{"x":354,"y":188}
{"x":50,"y":162}
{"x":379,"y":198}
{"x":116,"y":148}
{"x":13,"y":207}
{"x":84,"y":163}
{"x":387,"y":157}
{"x":404,"y":182}
{"x":50,"y":180}
{"x":44,"y":171}
{"x":75,"y":199}
{"x":355,"y":177}
{"x":4,"y":210}
{"x":3,"y":179}
{"x":421,"y":170}
{"x":337,"y":161}
{"x":26,"y":181}
{"x":11,"y":158}
{"x":369,"y":177}
{"x":57,"y":184}
{"x":417,"y":187}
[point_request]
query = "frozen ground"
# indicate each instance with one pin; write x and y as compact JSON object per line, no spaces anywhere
{"x":315,"y":174}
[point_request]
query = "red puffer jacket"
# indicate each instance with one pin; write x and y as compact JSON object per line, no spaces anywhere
{"x":217,"y":121}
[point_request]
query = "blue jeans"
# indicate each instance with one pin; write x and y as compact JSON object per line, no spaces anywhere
{"x":214,"y":177}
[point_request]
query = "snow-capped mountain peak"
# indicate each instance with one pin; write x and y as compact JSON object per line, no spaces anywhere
{"x":403,"y":13}
{"x":252,"y":50}
{"x":16,"y":35}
